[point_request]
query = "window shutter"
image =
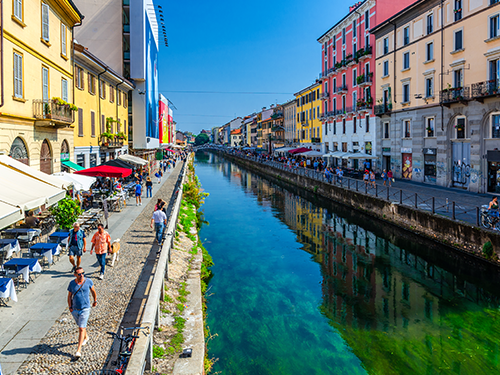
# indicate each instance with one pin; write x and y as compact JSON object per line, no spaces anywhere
{"x":63,"y":39}
{"x":102,"y":124}
{"x":118,"y":127}
{"x":80,"y":122}
{"x":45,"y":22}
{"x":45,"y":83}
{"x":92,"y":123}
{"x":64,"y":90}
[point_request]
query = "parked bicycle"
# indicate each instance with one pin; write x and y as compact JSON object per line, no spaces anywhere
{"x":490,"y":219}
{"x":127,"y":343}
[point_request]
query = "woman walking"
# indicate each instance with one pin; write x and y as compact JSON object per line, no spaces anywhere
{"x":149,"y":188}
{"x":390,"y":177}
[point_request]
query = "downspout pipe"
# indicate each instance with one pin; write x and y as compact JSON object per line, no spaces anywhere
{"x":99,"y":91}
{"x":394,"y":63}
{"x":442,"y":64}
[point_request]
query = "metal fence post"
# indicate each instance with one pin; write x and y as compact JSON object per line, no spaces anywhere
{"x":366,"y":188}
{"x":356,"y":185}
{"x":433,"y":206}
{"x":387,"y":187}
{"x":453,"y":210}
{"x":477,"y":216}
{"x":349,"y":184}
{"x":400,"y":196}
{"x":376,"y":190}
{"x":416,"y":200}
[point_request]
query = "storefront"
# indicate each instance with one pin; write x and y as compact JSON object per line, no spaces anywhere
{"x":407,"y":167}
{"x":493,"y":157}
{"x":430,"y":158}
{"x":386,"y":158}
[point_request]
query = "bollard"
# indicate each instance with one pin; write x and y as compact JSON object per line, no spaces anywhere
{"x":349,"y":184}
{"x":477,"y":216}
{"x":387,"y":187}
{"x":447,"y":206}
{"x":416,"y":200}
{"x":453,"y":210}
{"x":366,"y":188}
{"x":400,"y":196}
{"x":356,"y":185}
{"x":433,"y":206}
{"x":376,"y":190}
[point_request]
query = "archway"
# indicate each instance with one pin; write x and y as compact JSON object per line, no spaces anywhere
{"x":19,"y":151}
{"x":45,"y":158}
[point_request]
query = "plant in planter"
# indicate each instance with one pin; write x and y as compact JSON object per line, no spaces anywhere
{"x":360,"y":79}
{"x":64,"y":103}
{"x":66,"y":212}
{"x":46,"y":109}
{"x":120,"y":135}
{"x":369,"y":100}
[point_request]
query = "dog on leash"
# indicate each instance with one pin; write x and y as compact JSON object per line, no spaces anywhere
{"x":114,"y":251}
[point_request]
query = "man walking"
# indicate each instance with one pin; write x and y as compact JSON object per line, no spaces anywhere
{"x":159,"y":219}
{"x":101,"y":242}
{"x":138,"y":193}
{"x":79,"y":305}
{"x":77,"y":245}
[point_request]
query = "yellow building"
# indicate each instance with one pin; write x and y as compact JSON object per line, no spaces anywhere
{"x":309,"y":127}
{"x":101,"y":95}
{"x":37,"y":114}
{"x":437,"y":79}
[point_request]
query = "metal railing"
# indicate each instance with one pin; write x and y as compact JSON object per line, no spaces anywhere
{"x":341,"y":88}
{"x":49,"y":109}
{"x":381,"y":109}
{"x":436,"y":206}
{"x":486,"y":88}
{"x":455,"y":94}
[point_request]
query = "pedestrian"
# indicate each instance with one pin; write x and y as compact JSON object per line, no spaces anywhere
{"x":384,"y":177}
{"x":372,"y":178}
{"x":159,"y":220}
{"x":366,"y":177}
{"x":149,"y":187}
{"x":138,"y":193}
{"x":164,"y":167}
{"x":340,"y":175}
{"x":79,"y":305}
{"x":160,"y":175}
{"x":101,"y":242}
{"x":390,"y":177}
{"x":77,"y":245}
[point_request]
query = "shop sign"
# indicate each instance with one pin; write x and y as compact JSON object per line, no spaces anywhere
{"x":65,"y":156}
{"x":386,"y":149}
{"x":429,"y":151}
{"x":405,"y":150}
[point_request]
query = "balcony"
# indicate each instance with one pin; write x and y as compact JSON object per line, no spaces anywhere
{"x":455,"y":95}
{"x":323,"y":75}
{"x":350,"y":110}
{"x":364,"y":53}
{"x":364,"y":105}
{"x":315,"y":140}
{"x":324,"y":95}
{"x":110,"y":141}
{"x":482,"y":90}
{"x":383,"y":109}
{"x":341,"y":66}
{"x":365,"y":79}
{"x":341,"y":89}
{"x":52,"y":113}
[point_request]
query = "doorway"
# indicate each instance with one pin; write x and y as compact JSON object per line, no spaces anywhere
{"x":45,"y":158}
{"x":460,"y":164}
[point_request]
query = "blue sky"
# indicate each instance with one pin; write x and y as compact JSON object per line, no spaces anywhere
{"x":226,"y":48}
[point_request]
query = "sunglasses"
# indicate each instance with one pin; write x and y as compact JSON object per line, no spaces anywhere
{"x":80,"y":274}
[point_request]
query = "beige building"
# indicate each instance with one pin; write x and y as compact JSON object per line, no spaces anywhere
{"x":437,"y":78}
{"x":289,"y":122}
{"x":37,"y":111}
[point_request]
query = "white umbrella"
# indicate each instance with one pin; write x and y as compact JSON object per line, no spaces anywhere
{"x":311,"y":154}
{"x":358,"y":155}
{"x":80,"y":182}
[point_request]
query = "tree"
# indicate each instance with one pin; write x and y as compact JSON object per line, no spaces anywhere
{"x":201,"y":139}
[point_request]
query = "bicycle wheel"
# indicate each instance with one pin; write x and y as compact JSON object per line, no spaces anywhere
{"x":485,"y":221}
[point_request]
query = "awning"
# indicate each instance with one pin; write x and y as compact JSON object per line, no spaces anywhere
{"x":118,"y":163}
{"x":24,"y":169}
{"x":133,"y":159}
{"x":358,"y":155}
{"x":281,"y":150}
{"x":79,"y":181}
{"x":72,"y":165}
{"x":336,"y":154}
{"x":26,"y":192}
{"x":106,"y":171}
{"x":9,"y":214}
{"x":299,"y":150}
{"x":169,"y":150}
{"x":311,"y":154}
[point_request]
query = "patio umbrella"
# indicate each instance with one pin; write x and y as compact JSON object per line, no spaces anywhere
{"x":299,"y":150}
{"x":169,"y":150}
{"x":80,"y":182}
{"x":311,"y":154}
{"x":118,"y":163}
{"x":106,"y":171}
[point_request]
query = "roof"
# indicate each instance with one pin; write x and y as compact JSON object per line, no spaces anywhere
{"x":317,"y":83}
{"x":342,"y":20}
{"x":395,"y":16}
{"x":235,"y":131}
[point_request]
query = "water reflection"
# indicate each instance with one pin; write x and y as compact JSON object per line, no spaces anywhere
{"x":398,"y":309}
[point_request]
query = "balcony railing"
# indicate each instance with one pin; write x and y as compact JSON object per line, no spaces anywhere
{"x":323,"y":75}
{"x":51,"y":110}
{"x":381,"y":109}
{"x":365,"y":79}
{"x":324,"y":95}
{"x":481,"y":90}
{"x":364,"y":105}
{"x":455,"y":95}
{"x":341,"y":88}
{"x":315,"y":140}
{"x":364,"y":53}
{"x":111,"y":142}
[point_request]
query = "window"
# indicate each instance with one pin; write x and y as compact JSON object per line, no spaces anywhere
{"x":343,"y":126}
{"x":367,"y":123}
{"x":406,"y":92}
{"x":343,"y":35}
{"x":334,"y":107}
{"x":354,"y":77}
{"x":406,"y":60}
{"x":429,"y":126}
{"x":125,"y":100}
{"x":317,"y":110}
{"x":354,"y":99}
{"x":92,"y":123}
{"x":354,"y":29}
{"x":111,"y":94}
{"x":406,"y":129}
{"x":343,"y":80}
{"x":459,"y":40}
{"x":103,"y":122}
{"x":80,"y":122}
{"x":386,"y":45}
{"x":367,"y":20}
{"x":325,"y":47}
{"x":354,"y":120}
{"x":494,"y":25}
{"x":457,"y":78}
{"x":63,"y":40}
{"x":18,"y":9}
{"x":429,"y":51}
{"x":406,"y":35}
{"x":386,"y":68}
{"x":118,"y":97}
{"x":102,"y":89}
{"x":495,"y":126}
{"x":460,"y":126}
{"x":354,"y":48}
{"x":18,"y":76}
{"x":45,"y":22}
{"x":79,"y":78}
{"x":386,"y":130}
{"x":430,"y":23}
{"x":64,"y":90}
{"x":458,"y":10}
{"x":91,"y":84}
{"x":45,"y":83}
{"x":429,"y":87}
{"x":343,"y":103}
{"x":334,"y":88}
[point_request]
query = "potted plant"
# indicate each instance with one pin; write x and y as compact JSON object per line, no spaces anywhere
{"x":66,"y":212}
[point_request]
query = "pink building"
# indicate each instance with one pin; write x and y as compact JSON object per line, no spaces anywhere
{"x":347,"y":69}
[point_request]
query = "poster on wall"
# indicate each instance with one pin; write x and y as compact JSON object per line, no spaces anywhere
{"x":407,"y":166}
{"x":152,"y":95}
{"x":163,"y":119}
{"x":171,"y":125}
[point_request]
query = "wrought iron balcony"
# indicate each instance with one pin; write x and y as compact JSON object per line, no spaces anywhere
{"x":111,"y":142}
{"x":316,"y":140}
{"x":481,"y":90}
{"x":382,"y":109}
{"x":332,"y":71}
{"x":364,"y":105}
{"x":323,"y":75}
{"x":324,"y":95}
{"x":455,"y":95}
{"x":51,"y":113}
{"x":341,"y":88}
{"x":364,"y":53}
{"x":365,"y":79}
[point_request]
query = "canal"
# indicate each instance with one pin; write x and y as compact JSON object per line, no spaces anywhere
{"x":304,"y":286}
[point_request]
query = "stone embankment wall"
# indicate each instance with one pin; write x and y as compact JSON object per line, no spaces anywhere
{"x":459,"y":235}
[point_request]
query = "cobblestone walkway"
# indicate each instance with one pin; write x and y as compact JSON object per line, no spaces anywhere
{"x":54,"y":354}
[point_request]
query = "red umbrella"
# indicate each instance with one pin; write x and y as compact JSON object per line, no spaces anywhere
{"x":167,"y":149}
{"x":299,"y":150}
{"x":106,"y":171}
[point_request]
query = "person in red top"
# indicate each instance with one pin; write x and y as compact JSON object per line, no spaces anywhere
{"x":101,"y":242}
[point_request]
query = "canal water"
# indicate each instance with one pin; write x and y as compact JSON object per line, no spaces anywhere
{"x":302,"y":286}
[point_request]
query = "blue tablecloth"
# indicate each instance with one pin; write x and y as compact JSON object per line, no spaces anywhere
{"x":44,"y":247}
{"x":18,"y":231}
{"x":9,"y":246}
{"x":59,"y":235}
{"x":3,"y":284}
{"x":21,"y":263}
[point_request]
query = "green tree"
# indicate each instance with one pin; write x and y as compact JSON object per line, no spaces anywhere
{"x":66,"y":212}
{"x":201,"y":139}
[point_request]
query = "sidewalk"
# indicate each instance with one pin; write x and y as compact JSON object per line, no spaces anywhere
{"x":24,"y":324}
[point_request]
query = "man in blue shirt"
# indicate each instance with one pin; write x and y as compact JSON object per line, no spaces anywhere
{"x":138,"y":193}
{"x":77,"y":245}
{"x":79,"y":305}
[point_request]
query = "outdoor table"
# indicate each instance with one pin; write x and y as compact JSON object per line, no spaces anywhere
{"x":9,"y":246}
{"x":60,"y":237}
{"x":47,"y":249}
{"x":7,"y":289}
{"x":23,"y":266}
{"x":29,"y":232}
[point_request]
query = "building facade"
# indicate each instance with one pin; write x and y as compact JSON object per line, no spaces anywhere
{"x":309,"y":127}
{"x":290,"y":122}
{"x":37,"y":110}
{"x":101,"y":95}
{"x":347,"y":70}
{"x":438,"y":106}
